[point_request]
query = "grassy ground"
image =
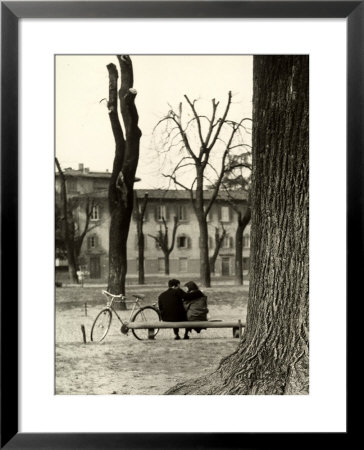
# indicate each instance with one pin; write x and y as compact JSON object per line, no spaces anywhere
{"x":122,"y":364}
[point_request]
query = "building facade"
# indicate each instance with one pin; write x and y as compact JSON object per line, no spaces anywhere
{"x":184,"y":259}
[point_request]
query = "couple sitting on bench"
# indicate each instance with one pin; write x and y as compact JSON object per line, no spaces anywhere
{"x":176,"y":305}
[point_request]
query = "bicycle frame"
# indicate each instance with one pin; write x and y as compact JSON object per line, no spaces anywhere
{"x":136,"y":305}
{"x":136,"y":311}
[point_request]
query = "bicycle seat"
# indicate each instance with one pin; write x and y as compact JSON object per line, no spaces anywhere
{"x":138,"y":295}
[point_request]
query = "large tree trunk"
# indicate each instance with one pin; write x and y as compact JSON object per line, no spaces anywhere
{"x":272,"y":357}
{"x":242,"y":224}
{"x":124,"y":168}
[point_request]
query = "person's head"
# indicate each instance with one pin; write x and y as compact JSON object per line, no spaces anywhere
{"x":191,"y":286}
{"x":173,"y":283}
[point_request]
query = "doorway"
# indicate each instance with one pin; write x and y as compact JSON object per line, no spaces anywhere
{"x":225,"y":266}
{"x":95,"y":269}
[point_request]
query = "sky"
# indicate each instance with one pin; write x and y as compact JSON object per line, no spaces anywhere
{"x":83,"y":132}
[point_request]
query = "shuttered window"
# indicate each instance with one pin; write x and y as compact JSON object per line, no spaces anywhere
{"x":183,"y":241}
{"x":228,"y":242}
{"x":225,"y":213}
{"x":181,"y":212}
{"x":95,"y":213}
{"x":161,"y":212}
{"x":92,"y":242}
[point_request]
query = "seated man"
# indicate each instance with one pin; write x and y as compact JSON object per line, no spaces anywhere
{"x":171,"y":305}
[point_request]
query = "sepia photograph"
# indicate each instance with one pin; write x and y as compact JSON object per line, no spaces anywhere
{"x":181,"y":224}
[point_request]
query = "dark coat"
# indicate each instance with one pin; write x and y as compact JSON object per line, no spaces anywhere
{"x":171,"y":305}
{"x":195,"y":304}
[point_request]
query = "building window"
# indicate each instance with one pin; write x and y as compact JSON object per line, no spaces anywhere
{"x":92,"y":242}
{"x":227,"y":242}
{"x":225,"y":214}
{"x":72,"y":185}
{"x":95,"y":213}
{"x":182,"y":265}
{"x":161,"y":264}
{"x":182,"y":241}
{"x":246,"y":241}
{"x":161,"y":212}
{"x":181,"y":212}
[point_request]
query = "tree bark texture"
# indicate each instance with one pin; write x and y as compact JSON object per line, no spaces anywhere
{"x":273,"y":356}
{"x":124,"y":168}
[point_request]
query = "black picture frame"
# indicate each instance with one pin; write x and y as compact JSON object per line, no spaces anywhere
{"x":11,"y":12}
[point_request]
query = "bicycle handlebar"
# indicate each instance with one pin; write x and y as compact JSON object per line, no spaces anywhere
{"x":123,"y":297}
{"x":113,"y":295}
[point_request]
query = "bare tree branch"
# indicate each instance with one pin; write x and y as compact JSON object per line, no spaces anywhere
{"x":192,"y":106}
{"x":221,"y":122}
{"x":214,"y":109}
{"x":173,"y":178}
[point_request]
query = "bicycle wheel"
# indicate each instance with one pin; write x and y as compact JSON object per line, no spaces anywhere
{"x":101,"y":325}
{"x":145,"y":314}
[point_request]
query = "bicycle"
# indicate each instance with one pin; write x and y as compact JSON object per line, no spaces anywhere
{"x":102,"y":322}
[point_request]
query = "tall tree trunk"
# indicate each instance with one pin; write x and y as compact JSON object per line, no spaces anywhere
{"x":166,"y":264}
{"x":242,"y":224}
{"x":205,"y":274}
{"x":124,"y":168}
{"x":141,"y":277}
{"x":218,"y":242}
{"x":273,"y":355}
{"x":139,"y":218}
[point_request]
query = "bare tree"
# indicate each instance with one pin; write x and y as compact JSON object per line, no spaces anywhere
{"x":139,"y":214}
{"x":162,"y":241}
{"x":124,"y":168}
{"x":273,"y":355}
{"x":237,"y":180}
{"x":219,"y":239}
{"x":201,"y":139}
{"x":67,"y":230}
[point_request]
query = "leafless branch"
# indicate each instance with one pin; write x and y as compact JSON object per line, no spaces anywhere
{"x":221,"y":122}
{"x":192,"y":106}
{"x":173,"y":178}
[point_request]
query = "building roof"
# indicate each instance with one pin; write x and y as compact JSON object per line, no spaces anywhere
{"x":172,"y":194}
{"x":153,"y":194}
{"x":84,"y":173}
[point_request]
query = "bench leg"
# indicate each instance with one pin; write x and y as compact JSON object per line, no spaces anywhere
{"x":151,"y":333}
{"x":237,"y":331}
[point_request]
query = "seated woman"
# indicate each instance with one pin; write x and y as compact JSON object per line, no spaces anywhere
{"x":195,"y":304}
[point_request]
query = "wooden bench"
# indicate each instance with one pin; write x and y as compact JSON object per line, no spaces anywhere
{"x":151,"y":326}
